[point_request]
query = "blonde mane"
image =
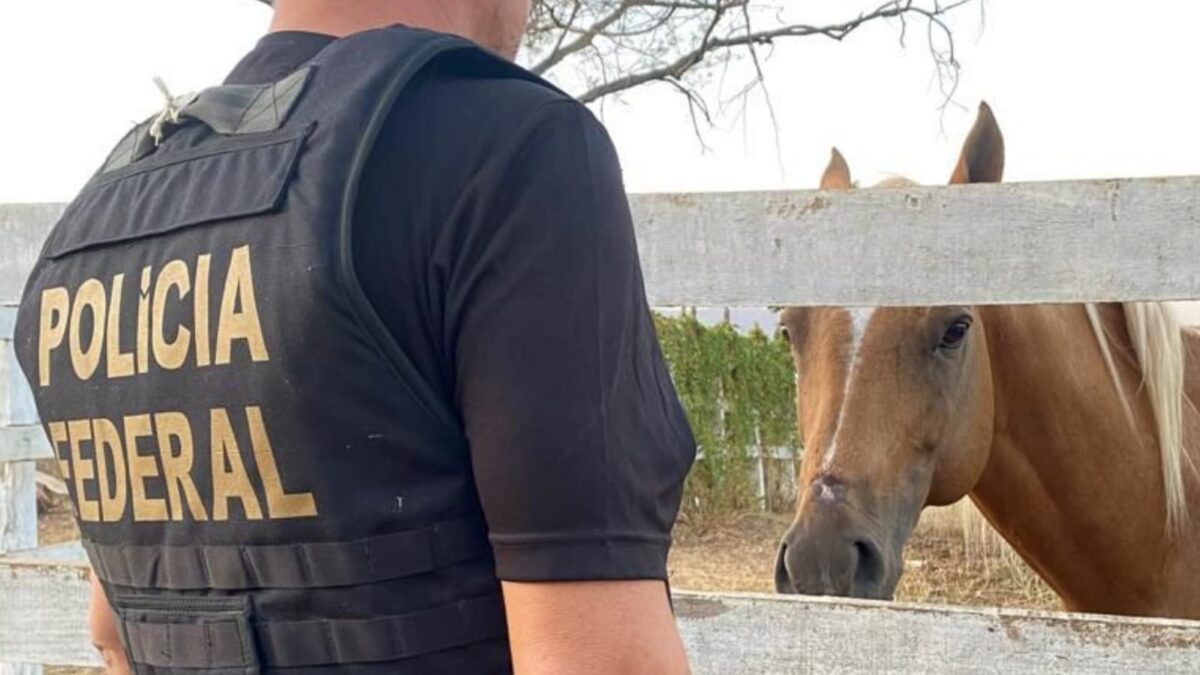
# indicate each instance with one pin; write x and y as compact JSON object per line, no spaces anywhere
{"x":1158,"y":343}
{"x":896,"y":182}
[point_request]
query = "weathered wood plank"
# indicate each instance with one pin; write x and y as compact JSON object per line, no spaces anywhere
{"x":18,"y":479}
{"x":18,"y":506}
{"x":72,"y":556}
{"x":16,"y":400}
{"x":70,"y":552}
{"x":23,"y":227}
{"x":43,"y":615}
{"x":740,"y":633}
{"x":976,"y":244}
{"x":766,"y":634}
{"x":1069,"y":241}
{"x":8,"y":321}
{"x":23,"y":443}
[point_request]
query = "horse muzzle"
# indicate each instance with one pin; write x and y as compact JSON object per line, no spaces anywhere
{"x":834,"y":549}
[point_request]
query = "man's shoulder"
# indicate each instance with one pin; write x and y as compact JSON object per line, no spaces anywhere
{"x":465,"y":119}
{"x":514,"y":93}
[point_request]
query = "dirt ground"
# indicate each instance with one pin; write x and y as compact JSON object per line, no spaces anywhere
{"x":951,"y":559}
{"x":944,"y":563}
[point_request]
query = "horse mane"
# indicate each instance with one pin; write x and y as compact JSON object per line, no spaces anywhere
{"x":1158,"y":344}
{"x":896,"y":182}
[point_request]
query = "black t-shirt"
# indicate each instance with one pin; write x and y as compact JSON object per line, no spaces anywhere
{"x":493,"y":237}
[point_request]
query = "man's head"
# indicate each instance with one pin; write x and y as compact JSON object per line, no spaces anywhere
{"x":497,"y":25}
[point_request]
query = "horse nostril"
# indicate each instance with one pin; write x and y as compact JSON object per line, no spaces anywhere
{"x":868,"y":572}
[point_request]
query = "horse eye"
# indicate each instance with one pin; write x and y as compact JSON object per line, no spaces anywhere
{"x":955,"y":334}
{"x":783,"y":333}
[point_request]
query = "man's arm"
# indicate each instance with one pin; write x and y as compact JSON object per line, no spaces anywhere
{"x":102,"y":624}
{"x":578,"y":442}
{"x":593,"y":627}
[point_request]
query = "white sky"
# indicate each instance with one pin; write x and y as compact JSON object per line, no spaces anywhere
{"x":1081,"y":88}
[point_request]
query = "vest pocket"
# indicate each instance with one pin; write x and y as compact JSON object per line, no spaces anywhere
{"x":224,"y":180}
{"x":173,"y":634}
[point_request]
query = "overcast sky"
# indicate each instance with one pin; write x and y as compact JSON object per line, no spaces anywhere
{"x":1081,"y":88}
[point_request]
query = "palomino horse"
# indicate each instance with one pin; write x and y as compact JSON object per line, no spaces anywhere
{"x":1066,"y":424}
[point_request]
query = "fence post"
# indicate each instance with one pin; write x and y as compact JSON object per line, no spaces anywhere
{"x":18,"y":480}
{"x":764,"y":492}
{"x":18,"y":489}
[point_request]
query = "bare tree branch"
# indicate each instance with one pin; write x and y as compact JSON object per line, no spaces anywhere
{"x":582,"y":42}
{"x":599,"y":48}
{"x":576,"y":6}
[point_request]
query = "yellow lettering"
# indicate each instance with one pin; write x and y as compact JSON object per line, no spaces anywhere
{"x":243,"y":323}
{"x":58,"y":436}
{"x":279,"y":503}
{"x":175,"y":448}
{"x":142,"y":467}
{"x":170,"y":355}
{"x":201,"y":311}
{"x":89,"y":296}
{"x":229,"y":479}
{"x":84,"y":469}
{"x":55,"y":304}
{"x":143,"y":324}
{"x":119,"y":365}
{"x":113,"y":496}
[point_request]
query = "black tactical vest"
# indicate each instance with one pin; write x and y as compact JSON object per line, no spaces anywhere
{"x":262,"y":479}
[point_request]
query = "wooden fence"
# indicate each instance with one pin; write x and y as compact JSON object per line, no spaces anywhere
{"x":1115,"y":240}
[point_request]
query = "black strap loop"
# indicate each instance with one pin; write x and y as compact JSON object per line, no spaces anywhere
{"x":226,"y":641}
{"x":322,"y":642}
{"x":291,"y":566}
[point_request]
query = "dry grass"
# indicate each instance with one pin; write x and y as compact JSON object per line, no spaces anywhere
{"x":956,"y":558}
{"x":953,"y":558}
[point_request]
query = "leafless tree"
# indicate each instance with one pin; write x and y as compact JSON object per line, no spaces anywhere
{"x":598,"y":48}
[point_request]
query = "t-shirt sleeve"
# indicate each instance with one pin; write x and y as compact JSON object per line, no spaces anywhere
{"x":578,"y":442}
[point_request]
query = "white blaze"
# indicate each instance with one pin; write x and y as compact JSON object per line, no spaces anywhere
{"x":860,"y":320}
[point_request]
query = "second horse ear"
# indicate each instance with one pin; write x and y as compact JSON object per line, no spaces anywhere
{"x":837,"y":174}
{"x":982,"y":158}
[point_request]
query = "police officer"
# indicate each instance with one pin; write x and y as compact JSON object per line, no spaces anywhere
{"x":348,"y":366}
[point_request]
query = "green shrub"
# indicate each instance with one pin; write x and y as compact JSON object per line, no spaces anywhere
{"x":738,"y":391}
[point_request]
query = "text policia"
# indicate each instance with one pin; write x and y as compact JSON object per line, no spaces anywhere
{"x":117,"y":466}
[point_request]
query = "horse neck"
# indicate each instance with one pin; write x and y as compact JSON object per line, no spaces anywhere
{"x":1071,"y":482}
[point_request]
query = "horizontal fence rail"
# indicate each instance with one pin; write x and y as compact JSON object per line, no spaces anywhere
{"x":735,"y":633}
{"x":1068,"y":241}
{"x":18,"y":441}
{"x":1104,"y":240}
{"x":43,"y":611}
{"x":744,"y":633}
{"x":23,"y":228}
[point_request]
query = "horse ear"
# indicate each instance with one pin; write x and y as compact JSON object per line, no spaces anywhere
{"x":982,"y":159}
{"x":837,"y":174}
